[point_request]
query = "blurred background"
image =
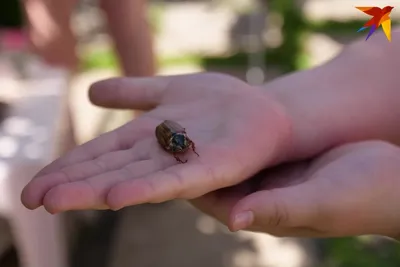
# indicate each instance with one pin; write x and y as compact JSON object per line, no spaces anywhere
{"x":253,"y":40}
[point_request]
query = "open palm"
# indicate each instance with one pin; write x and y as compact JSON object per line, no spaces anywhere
{"x":236,"y":128}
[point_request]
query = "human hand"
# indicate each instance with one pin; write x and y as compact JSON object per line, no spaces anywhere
{"x":237,"y":129}
{"x":350,"y":190}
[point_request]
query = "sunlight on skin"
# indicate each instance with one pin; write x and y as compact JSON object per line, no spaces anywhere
{"x":83,"y":180}
{"x":242,"y":130}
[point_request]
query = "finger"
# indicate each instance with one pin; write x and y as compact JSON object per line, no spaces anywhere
{"x":219,"y":204}
{"x":143,"y":92}
{"x":215,"y":206}
{"x":215,"y":168}
{"x":220,"y":209}
{"x":91,"y":193}
{"x":32,"y":195}
{"x":57,"y":172}
{"x":295,"y":206}
{"x":52,"y":175}
{"x":133,"y":93}
{"x":121,"y":138}
{"x":181,"y":181}
{"x":156,"y":187}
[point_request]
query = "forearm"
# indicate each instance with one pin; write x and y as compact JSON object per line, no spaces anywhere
{"x":354,"y":97}
{"x":128,"y":25}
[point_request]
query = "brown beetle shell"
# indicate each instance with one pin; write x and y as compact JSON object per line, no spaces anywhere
{"x":165,"y":132}
{"x":173,"y":138}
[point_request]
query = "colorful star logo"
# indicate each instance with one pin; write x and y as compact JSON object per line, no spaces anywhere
{"x":380,"y":16}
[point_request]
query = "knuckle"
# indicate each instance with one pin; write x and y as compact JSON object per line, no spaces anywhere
{"x":279,"y":215}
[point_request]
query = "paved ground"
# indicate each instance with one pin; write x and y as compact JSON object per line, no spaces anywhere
{"x":176,"y":235}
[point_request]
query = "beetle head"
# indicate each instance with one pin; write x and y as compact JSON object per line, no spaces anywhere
{"x":179,"y":142}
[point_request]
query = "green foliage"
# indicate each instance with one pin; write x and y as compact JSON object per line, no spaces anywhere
{"x":290,"y":56}
{"x":361,"y":252}
{"x":155,"y":13}
{"x":101,"y":59}
{"x":293,"y":28}
{"x":349,"y":27}
{"x":107,"y":59}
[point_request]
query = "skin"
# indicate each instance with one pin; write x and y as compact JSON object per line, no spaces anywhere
{"x":350,"y":190}
{"x":48,"y":25}
{"x":52,"y":38}
{"x":116,"y":170}
{"x":311,"y":133}
{"x":51,"y":35}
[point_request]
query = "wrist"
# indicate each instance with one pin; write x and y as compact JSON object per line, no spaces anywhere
{"x":350,"y":98}
{"x":305,"y":111}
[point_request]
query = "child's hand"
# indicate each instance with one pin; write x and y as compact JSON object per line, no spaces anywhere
{"x":237,"y":130}
{"x":350,"y":190}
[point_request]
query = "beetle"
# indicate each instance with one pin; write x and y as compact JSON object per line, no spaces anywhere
{"x":173,"y":138}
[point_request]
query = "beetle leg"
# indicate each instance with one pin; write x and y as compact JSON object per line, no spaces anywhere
{"x":194,"y":148}
{"x":179,"y":160}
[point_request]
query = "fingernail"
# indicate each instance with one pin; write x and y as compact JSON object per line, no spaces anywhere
{"x":116,"y":209}
{"x":243,"y":220}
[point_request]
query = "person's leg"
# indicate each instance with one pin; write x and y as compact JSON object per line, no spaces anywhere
{"x":132,"y":35}
{"x":129,"y":27}
{"x":48,"y":25}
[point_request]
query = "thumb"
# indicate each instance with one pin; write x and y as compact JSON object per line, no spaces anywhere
{"x":129,"y":93}
{"x":295,"y":206}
